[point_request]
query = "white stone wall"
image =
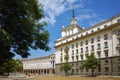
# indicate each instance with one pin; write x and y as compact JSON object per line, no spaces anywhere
{"x":38,"y":63}
{"x":112,"y":42}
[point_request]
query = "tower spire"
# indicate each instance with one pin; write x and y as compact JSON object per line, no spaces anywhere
{"x":73,"y":12}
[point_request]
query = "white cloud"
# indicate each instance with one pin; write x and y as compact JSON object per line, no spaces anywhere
{"x":56,"y":7}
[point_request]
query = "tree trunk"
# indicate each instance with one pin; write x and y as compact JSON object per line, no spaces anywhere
{"x":66,"y":73}
{"x":8,"y":73}
{"x":92,"y":72}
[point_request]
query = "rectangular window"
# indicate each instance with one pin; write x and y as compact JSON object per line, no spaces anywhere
{"x":118,"y":20}
{"x":98,"y":29}
{"x":61,"y":49}
{"x":81,"y":50}
{"x":76,"y":45}
{"x":81,"y":57}
{"x":105,"y":26}
{"x":99,"y":69}
{"x":119,"y":69}
{"x":106,"y":69}
{"x":81,"y":43}
{"x":77,"y":58}
{"x":106,"y":53}
{"x":86,"y":49}
{"x":92,"y":40}
{"x":98,"y":38}
{"x":106,"y":44}
{"x":72,"y":46}
{"x":76,"y":51}
{"x":118,"y":41}
{"x":98,"y":46}
{"x":72,"y":52}
{"x":92,"y":31}
{"x":106,"y":61}
{"x":118,"y":32}
{"x":72,"y":58}
{"x":92,"y":48}
{"x":105,"y":37}
{"x":119,"y":51}
{"x":99,"y":54}
{"x":86,"y":42}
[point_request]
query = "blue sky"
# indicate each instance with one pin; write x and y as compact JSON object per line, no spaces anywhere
{"x":87,"y":12}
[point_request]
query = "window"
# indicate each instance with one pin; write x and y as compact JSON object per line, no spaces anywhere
{"x":92,"y":31}
{"x":81,"y":43}
{"x":77,"y":58}
{"x":118,"y":20}
{"x":72,"y":58}
{"x":118,"y":32}
{"x":99,"y":69}
{"x":98,"y":29}
{"x":72,"y":46}
{"x":92,"y":47}
{"x":98,"y":45}
{"x":106,"y":53}
{"x":119,"y":51}
{"x":81,"y":50}
{"x":61,"y":49}
{"x":105,"y":37}
{"x":119,"y":61}
{"x":86,"y":49}
{"x":61,"y":54}
{"x":76,"y":45}
{"x":119,"y":69}
{"x":76,"y":70}
{"x":81,"y":35}
{"x":106,"y":44}
{"x":99,"y":54}
{"x":105,"y":26}
{"x":118,"y":41}
{"x":92,"y":40}
{"x":86,"y":55}
{"x":86,"y":42}
{"x":98,"y":38}
{"x":81,"y":57}
{"x":106,"y":69}
{"x":72,"y":52}
{"x":106,"y":61}
{"x":76,"y":51}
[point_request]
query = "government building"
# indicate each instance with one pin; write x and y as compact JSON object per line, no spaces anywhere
{"x":39,"y":65}
{"x":102,"y":40}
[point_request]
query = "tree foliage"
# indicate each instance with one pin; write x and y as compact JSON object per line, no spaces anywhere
{"x":12,"y":66}
{"x":21,"y":27}
{"x":66,"y":67}
{"x":90,"y":63}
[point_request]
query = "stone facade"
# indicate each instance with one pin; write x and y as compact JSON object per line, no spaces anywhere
{"x":102,"y":40}
{"x":40,"y":65}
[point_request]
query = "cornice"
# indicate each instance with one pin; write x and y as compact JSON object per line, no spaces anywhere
{"x":93,"y":33}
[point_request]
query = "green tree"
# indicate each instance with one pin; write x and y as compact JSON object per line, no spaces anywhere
{"x":66,"y":67}
{"x":23,"y":29}
{"x":90,"y":63}
{"x":12,"y":66}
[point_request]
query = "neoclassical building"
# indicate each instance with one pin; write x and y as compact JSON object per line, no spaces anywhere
{"x":39,"y":65}
{"x":102,"y":40}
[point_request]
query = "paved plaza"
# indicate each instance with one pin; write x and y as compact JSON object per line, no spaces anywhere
{"x":54,"y":77}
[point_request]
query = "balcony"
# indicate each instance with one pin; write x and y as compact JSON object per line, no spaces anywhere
{"x":86,"y":51}
{"x":105,"y":47}
{"x":98,"y":48}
